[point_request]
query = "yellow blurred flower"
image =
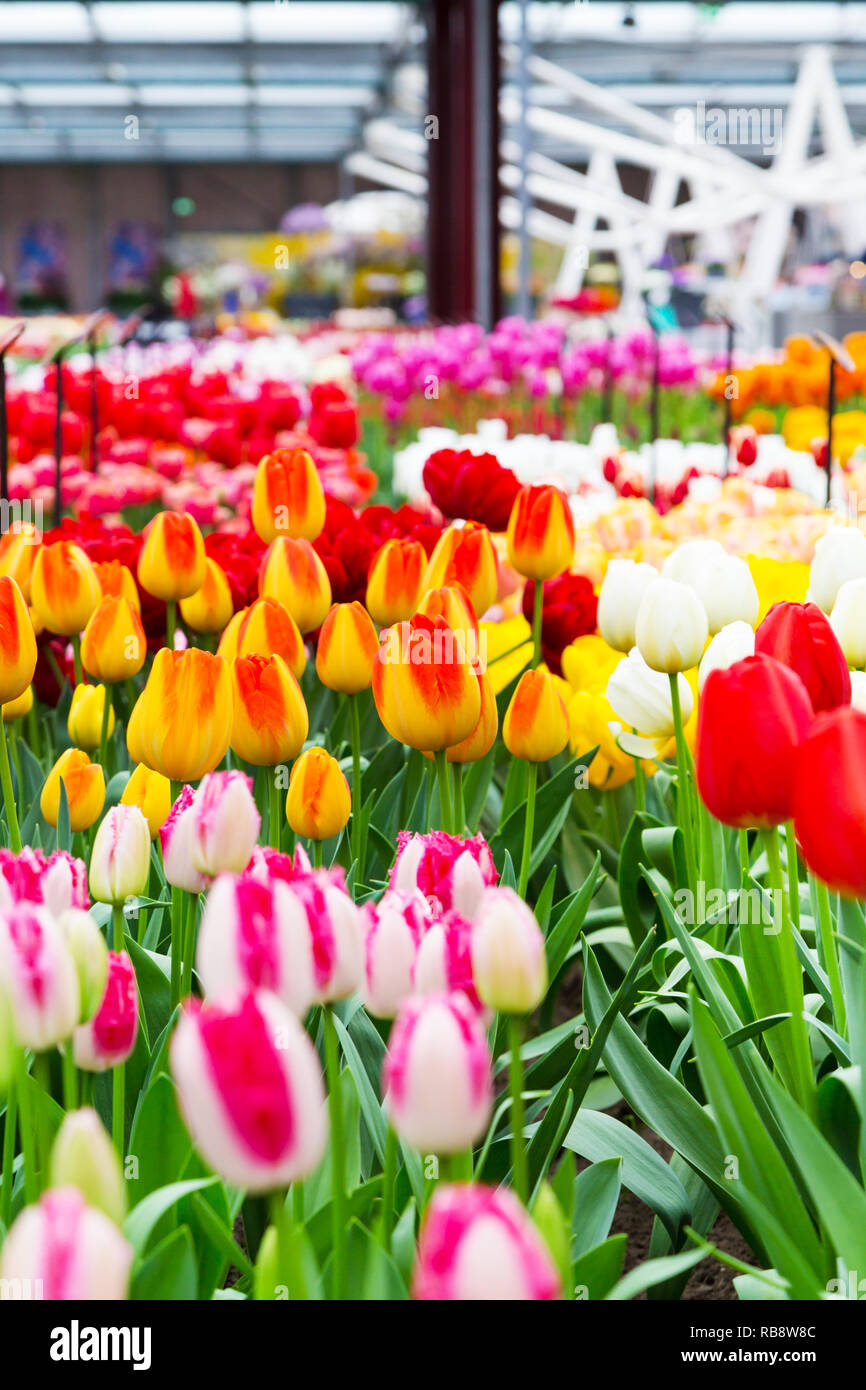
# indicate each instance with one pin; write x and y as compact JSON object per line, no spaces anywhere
{"x":588,"y":662}
{"x":507,"y":648}
{"x":589,"y":715}
{"x":778,"y":581}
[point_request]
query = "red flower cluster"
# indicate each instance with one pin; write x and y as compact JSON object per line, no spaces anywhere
{"x":474,"y":487}
{"x":239,"y":556}
{"x":334,"y":417}
{"x":350,"y":541}
{"x":568,"y":611}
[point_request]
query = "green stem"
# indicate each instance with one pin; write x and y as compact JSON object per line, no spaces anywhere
{"x":118,"y":1107}
{"x":70,"y":1078}
{"x":170,"y":623}
{"x":444,"y":791}
{"x":684,"y":810}
{"x":9,"y":1132}
{"x":528,"y":828}
{"x":389,"y":1182}
{"x":537,"y":609}
{"x":831,"y":957}
{"x":338,"y":1156}
{"x":189,"y":944}
{"x":459,"y":810}
{"x":28,"y":1138}
{"x":355,"y":730}
{"x":103,"y":735}
{"x":275,"y":809}
{"x":317,"y":853}
{"x":639,"y":786}
{"x":76,"y":658}
{"x":519,"y":1169}
{"x":41,"y":1073}
{"x":776,"y":985}
{"x":745,"y":864}
{"x":8,"y":794}
{"x":117,"y":924}
{"x":176,"y":943}
{"x":793,"y":874}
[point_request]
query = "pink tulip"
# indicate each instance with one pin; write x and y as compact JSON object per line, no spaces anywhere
{"x":59,"y":881}
{"x":336,"y":933}
{"x":437,"y":1074}
{"x":250,"y":1089}
{"x":175,"y":837}
{"x":64,"y":883}
{"x":38,"y":976}
{"x":108,"y":1038}
{"x":120,"y":858}
{"x":448,"y":870}
{"x":394,"y":929}
{"x":225,"y":824}
{"x":478,"y":1244}
{"x":253,"y":936}
{"x":443,"y":963}
{"x":62,"y":1249}
{"x":508,"y":957}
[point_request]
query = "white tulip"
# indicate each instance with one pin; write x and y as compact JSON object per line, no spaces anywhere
{"x":623,"y":587}
{"x":722,"y":582}
{"x":671,"y":626}
{"x":734,"y":642}
{"x":840,"y":555}
{"x":688,"y":562}
{"x":641,"y":697}
{"x":858,"y":690}
{"x":848,"y":620}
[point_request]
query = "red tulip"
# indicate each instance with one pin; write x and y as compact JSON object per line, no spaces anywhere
{"x":568,"y":611}
{"x":472,"y":486}
{"x":800,"y":636}
{"x":830,"y":800}
{"x":751,"y":719}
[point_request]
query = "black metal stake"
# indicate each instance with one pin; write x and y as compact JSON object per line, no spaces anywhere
{"x":726,"y":425}
{"x":58,"y":437}
{"x":831,"y":409}
{"x":94,"y":404}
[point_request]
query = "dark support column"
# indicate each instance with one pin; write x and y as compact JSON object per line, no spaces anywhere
{"x":463,"y":162}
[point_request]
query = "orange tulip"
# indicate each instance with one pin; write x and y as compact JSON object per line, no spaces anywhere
{"x":265,"y":629}
{"x":113,"y":646}
{"x":151,"y":793}
{"x":479,"y":743}
{"x":396,"y":581}
{"x":347,"y":649}
{"x":117,"y":580}
{"x":64,"y":589}
{"x":210,"y":608}
{"x":17,"y":708}
{"x":535,"y":726}
{"x":182,"y":721}
{"x":454,"y":605}
{"x":270,"y":720}
{"x":318,"y":803}
{"x":17,"y":642}
{"x":171,"y":565}
{"x":85,"y":790}
{"x":425,"y":688}
{"x":18,"y":548}
{"x":287,"y":496}
{"x":540,"y":533}
{"x":293,"y":573}
{"x":465,"y":554}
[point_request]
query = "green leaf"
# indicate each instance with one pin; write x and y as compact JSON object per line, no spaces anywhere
{"x":596,"y":1136}
{"x":566,"y":930}
{"x":655,"y":1272}
{"x":169,"y":1272}
{"x":595,"y":1201}
{"x":159,"y":1141}
{"x":142,"y":1220}
{"x":596,"y":1272}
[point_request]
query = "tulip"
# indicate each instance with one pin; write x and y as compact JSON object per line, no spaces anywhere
{"x":86,"y":714}
{"x":334,"y":924}
{"x":829,"y":805}
{"x":590,"y":716}
{"x":270,"y":720}
{"x":18,"y":547}
{"x":250,"y":1091}
{"x":210,"y":608}
{"x":840,"y":555}
{"x":85,"y":790}
{"x":623,"y":587}
{"x":108,"y":1039}
{"x":465,"y":555}
{"x":641,"y":698}
{"x":225,"y":824}
{"x":37,"y":977}
{"x":265,"y":629}
{"x":175,"y":837}
{"x":120,"y":858}
{"x":64,"y":588}
{"x":751,"y":719}
{"x":116,"y":581}
{"x":395,"y":583}
{"x":858,"y":690}
{"x":443,"y":962}
{"x":535,"y":726}
{"x":64,"y":883}
{"x":722,"y":582}
{"x":450,"y":872}
{"x":540,"y":534}
{"x":479,"y":742}
{"x":255,"y":936}
{"x":425,"y":689}
{"x":90,"y":954}
{"x":671,"y":626}
{"x":17,"y":643}
{"x":113,"y":646}
{"x":319,"y":800}
{"x":287,"y":496}
{"x":19,"y":707}
{"x":477,"y":1243}
{"x":800,"y":636}
{"x":171,"y":564}
{"x":151,"y":793}
{"x":347,"y":649}
{"x":437,"y":1074}
{"x":181,"y":725}
{"x":508,"y":960}
{"x":82,"y":1157}
{"x":848,"y":621}
{"x":732,"y":643}
{"x":293,"y":573}
{"x":67,"y":1250}
{"x":394,"y":929}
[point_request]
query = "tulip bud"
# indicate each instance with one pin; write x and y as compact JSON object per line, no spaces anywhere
{"x":549,"y":1219}
{"x":671,"y":626}
{"x":210,"y":608}
{"x":19,"y":707}
{"x":395,"y":583}
{"x":265,"y":629}
{"x":848,"y":621}
{"x":86,"y":714}
{"x":225,"y":824}
{"x":64,"y":589}
{"x":732,"y":643}
{"x":116,"y":581}
{"x":624,"y":585}
{"x":347,"y":649}
{"x":722,"y":582}
{"x":829,"y":805}
{"x":175,"y":838}
{"x":800,"y":636}
{"x":319,"y":801}
{"x":37,"y":976}
{"x":453,"y":603}
{"x":336,"y":932}
{"x":83,"y":1157}
{"x":535,"y":726}
{"x":641,"y":697}
{"x":287,"y":496}
{"x":67,"y":1250}
{"x":482,"y":738}
{"x":394,"y":928}
{"x":270,"y":720}
{"x":293,"y":573}
{"x":448,"y":871}
{"x":508,"y":958}
{"x":182,"y":721}
{"x":64,"y":883}
{"x":18,"y":547}
{"x":437,"y":1074}
{"x":151,"y":793}
{"x":17,"y":645}
{"x":171,"y":564}
{"x":425,"y":688}
{"x":113,"y":647}
{"x":465,"y":555}
{"x":90,"y":953}
{"x":540,"y":533}
{"x":120,"y":858}
{"x":840,"y":555}
{"x":85,"y":790}
{"x":108,"y":1039}
{"x":443,"y":963}
{"x":478,"y":1243}
{"x":254,"y":936}
{"x":250,"y":1090}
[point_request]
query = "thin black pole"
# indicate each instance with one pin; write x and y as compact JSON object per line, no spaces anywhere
{"x":831,"y":409}
{"x":726,"y":426}
{"x":94,"y":404}
{"x":58,"y":438}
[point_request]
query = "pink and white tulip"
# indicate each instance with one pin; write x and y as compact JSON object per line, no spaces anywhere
{"x":90,"y":953}
{"x":336,"y":933}
{"x":120,"y":858}
{"x":395,"y":928}
{"x":437,"y":1074}
{"x":443,"y":964}
{"x":64,"y":883}
{"x":478,"y":1244}
{"x":59,"y":881}
{"x":62,"y":1249}
{"x":250,"y":1090}
{"x":508,"y":957}
{"x":175,"y":837}
{"x":451,"y":872}
{"x":225,"y":824}
{"x":109,"y":1038}
{"x":38,"y":976}
{"x":254,"y":936}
